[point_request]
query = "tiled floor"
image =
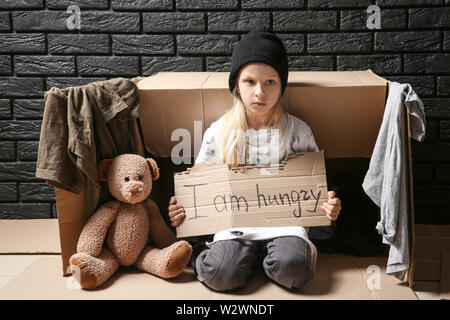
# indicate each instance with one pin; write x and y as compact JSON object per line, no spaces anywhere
{"x":13,"y":265}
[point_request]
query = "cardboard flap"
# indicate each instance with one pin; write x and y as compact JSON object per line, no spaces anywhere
{"x":343,"y":109}
{"x":71,"y":218}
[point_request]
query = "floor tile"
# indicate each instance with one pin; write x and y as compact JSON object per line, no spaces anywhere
{"x":12,"y":265}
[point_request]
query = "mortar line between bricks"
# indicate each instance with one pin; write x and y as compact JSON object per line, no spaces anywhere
{"x":13,"y":68}
{"x":338,"y":20}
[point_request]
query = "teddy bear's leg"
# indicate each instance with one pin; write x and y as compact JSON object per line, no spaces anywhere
{"x":165,"y":263}
{"x":91,"y":271}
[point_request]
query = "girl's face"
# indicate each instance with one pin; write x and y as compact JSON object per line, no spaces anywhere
{"x":259,"y":86}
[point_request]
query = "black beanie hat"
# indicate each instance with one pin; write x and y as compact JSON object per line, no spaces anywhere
{"x":260,"y":45}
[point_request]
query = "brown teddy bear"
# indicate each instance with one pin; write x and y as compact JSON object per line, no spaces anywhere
{"x":132,"y":225}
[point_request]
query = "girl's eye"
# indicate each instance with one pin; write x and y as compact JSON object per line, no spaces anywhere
{"x":268,"y":81}
{"x":127,"y":179}
{"x":140,"y":178}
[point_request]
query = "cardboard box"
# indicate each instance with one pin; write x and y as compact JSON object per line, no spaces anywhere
{"x":432,"y":241}
{"x":216,"y":198}
{"x":343,"y":109}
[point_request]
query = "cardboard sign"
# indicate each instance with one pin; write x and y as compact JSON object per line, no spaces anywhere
{"x":216,"y":197}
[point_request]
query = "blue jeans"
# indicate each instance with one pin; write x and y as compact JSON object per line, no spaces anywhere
{"x":228,"y":264}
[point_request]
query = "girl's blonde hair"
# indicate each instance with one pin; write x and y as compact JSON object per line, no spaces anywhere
{"x":234,"y":127}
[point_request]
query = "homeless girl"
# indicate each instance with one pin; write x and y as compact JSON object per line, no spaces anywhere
{"x":257,"y":80}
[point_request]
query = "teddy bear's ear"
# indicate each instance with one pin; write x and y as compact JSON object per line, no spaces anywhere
{"x":102,"y":172}
{"x":153,"y":168}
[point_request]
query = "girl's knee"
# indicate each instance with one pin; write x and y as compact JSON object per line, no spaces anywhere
{"x":214,"y":269}
{"x":289,"y":262}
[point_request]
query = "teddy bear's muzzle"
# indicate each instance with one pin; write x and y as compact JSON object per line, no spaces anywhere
{"x":133,"y":192}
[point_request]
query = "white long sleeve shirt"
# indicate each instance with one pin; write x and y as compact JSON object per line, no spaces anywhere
{"x":296,"y":136}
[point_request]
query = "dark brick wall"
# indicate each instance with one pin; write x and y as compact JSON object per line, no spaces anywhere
{"x":142,"y":37}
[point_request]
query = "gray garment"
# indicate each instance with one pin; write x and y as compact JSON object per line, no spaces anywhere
{"x":228,"y":264}
{"x":386,"y":180}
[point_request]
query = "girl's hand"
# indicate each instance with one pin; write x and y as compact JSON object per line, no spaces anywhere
{"x":176,"y":212}
{"x":332,"y":207}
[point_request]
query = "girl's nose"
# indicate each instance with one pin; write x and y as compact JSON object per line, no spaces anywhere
{"x":259,"y":90}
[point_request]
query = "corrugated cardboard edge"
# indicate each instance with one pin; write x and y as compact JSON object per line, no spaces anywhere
{"x":70,"y":226}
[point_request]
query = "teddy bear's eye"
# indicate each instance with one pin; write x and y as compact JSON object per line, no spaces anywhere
{"x":140,"y":178}
{"x":127,"y":179}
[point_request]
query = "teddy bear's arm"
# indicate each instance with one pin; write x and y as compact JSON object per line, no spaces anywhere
{"x":160,"y":234}
{"x":94,"y":231}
